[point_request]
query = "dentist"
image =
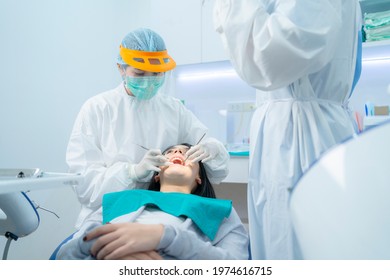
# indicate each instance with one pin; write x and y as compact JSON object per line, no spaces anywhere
{"x":105,"y":144}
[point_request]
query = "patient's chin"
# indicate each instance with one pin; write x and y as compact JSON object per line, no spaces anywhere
{"x":177,"y":169}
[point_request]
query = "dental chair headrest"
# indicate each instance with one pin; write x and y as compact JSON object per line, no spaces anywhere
{"x":21,"y":216}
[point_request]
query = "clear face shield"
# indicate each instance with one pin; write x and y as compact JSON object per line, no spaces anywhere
{"x":146,"y":87}
{"x":150,"y":73}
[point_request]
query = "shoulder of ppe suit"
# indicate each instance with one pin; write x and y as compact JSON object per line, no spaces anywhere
{"x":169,"y":101}
{"x":101,"y":101}
{"x":305,"y":33}
{"x":92,"y":111}
{"x":172,"y":105}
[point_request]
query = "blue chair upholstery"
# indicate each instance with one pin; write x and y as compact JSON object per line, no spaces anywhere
{"x":54,"y":254}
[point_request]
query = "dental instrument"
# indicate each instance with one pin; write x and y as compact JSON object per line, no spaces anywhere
{"x":141,"y":146}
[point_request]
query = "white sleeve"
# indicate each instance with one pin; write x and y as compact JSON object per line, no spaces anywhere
{"x":270,"y":47}
{"x":85,"y":156}
{"x":231,"y":242}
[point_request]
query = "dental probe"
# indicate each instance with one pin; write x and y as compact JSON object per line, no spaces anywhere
{"x":142,"y":147}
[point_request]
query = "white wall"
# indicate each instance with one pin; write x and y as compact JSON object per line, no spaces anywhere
{"x":206,"y":90}
{"x":374,"y":82}
{"x":54,"y":54}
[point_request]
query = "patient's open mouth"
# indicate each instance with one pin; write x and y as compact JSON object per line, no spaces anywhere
{"x":177,"y":160}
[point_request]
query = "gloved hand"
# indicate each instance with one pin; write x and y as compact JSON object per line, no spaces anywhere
{"x":202,"y":152}
{"x":150,"y":162}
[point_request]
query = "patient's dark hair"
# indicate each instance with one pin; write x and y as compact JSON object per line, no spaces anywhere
{"x":204,"y":189}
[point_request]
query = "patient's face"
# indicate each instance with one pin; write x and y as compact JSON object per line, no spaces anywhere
{"x":181,"y":171}
{"x":176,"y":152}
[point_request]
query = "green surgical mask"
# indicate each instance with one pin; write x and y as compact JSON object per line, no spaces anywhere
{"x":144,"y":88}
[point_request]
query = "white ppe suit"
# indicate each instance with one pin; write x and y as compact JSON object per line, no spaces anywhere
{"x":106,"y":137}
{"x":300,"y":55}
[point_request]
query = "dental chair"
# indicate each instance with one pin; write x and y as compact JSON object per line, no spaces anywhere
{"x":21,"y":217}
{"x":340,"y":208}
{"x":18,"y":214}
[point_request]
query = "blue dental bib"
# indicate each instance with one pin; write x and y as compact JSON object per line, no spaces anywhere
{"x":206,"y":213}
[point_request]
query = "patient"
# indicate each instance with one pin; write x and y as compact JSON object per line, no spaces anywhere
{"x":177,"y":218}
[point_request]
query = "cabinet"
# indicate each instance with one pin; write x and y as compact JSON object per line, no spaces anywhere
{"x":373,"y":6}
{"x":238,"y":170}
{"x":234,"y":187}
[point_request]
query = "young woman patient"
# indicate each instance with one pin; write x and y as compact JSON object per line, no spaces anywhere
{"x":177,"y":218}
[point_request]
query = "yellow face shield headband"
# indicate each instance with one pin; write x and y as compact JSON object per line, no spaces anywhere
{"x":148,"y":61}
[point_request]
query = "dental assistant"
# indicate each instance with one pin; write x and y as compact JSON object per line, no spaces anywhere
{"x":301,"y":56}
{"x":105,"y":144}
